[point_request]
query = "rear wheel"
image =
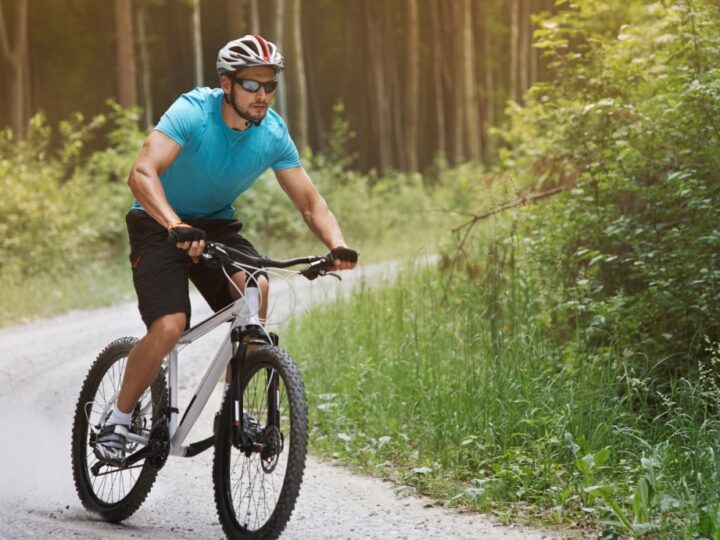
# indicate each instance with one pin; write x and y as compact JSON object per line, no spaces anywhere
{"x":258,"y":480}
{"x":114,"y":493}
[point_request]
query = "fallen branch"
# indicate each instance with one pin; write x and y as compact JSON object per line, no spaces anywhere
{"x":522,"y":201}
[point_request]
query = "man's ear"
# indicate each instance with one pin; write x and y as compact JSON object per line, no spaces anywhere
{"x":225,"y":83}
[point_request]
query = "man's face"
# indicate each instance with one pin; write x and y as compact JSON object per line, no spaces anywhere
{"x":254,"y":104}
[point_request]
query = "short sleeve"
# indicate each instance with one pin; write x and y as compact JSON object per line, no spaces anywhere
{"x":287,"y":155}
{"x":183,"y":120}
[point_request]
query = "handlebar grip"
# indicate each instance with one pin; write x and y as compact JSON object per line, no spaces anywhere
{"x":344,"y":254}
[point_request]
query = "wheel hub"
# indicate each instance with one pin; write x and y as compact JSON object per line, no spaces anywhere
{"x":270,"y":453}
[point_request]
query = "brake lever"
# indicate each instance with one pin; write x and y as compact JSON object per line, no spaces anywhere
{"x":315,"y":270}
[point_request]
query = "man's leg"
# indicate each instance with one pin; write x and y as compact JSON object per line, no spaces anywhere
{"x":262,"y":284}
{"x":141,"y":370}
{"x":147,"y":356}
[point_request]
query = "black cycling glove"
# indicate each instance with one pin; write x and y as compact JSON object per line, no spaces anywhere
{"x":178,"y":235}
{"x":344,"y":254}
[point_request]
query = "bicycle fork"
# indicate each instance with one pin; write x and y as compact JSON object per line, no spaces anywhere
{"x":248,"y":435}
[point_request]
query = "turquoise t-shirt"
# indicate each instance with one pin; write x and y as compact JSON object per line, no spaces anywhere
{"x":216,"y":163}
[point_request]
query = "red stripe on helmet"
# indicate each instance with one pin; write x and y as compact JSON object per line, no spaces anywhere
{"x":265,"y":48}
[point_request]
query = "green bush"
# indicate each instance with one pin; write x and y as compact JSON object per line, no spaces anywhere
{"x":632,"y":121}
{"x":61,"y":206}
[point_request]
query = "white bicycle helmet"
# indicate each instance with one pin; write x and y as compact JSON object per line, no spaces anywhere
{"x":248,"y":51}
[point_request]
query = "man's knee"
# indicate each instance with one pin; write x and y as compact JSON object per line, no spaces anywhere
{"x":241,"y":281}
{"x":264,"y":285}
{"x":168,"y":328}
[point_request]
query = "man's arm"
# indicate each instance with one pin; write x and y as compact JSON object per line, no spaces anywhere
{"x":157,"y":154}
{"x":306,"y":198}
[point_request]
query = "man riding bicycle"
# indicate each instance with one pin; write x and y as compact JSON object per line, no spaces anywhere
{"x":209,"y":147}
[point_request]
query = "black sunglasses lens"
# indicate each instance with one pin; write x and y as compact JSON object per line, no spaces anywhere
{"x":250,"y":86}
{"x":254,"y":86}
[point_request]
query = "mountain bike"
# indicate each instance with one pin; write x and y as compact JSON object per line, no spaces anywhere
{"x":260,"y":433}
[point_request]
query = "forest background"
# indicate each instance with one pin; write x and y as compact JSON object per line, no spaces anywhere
{"x":407,"y":97}
{"x":562,"y":157}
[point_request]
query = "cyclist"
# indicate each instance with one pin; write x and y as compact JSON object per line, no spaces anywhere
{"x":209,"y":147}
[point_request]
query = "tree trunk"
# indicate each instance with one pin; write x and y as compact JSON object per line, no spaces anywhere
{"x":439,"y":71}
{"x":379,"y":118}
{"x":254,"y":17}
{"x":145,"y":66}
{"x":412,"y":98}
{"x":488,"y":74}
{"x":16,"y":60}
{"x":297,"y":68}
{"x":514,"y":33}
{"x":524,"y":46}
{"x":393,"y":101}
{"x":472,"y":115}
{"x":197,"y":43}
{"x":279,"y":39}
{"x":316,"y":125}
{"x":125,"y":53}
{"x":534,"y":54}
{"x":454,"y":21}
{"x":235,"y":19}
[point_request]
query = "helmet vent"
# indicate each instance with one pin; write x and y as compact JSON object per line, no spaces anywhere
{"x":264,"y":46}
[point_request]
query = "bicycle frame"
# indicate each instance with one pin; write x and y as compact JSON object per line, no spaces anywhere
{"x":242,"y":314}
{"x":239,"y":313}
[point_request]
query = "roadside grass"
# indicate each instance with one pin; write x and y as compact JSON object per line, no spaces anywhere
{"x":455,"y":388}
{"x":94,"y":285}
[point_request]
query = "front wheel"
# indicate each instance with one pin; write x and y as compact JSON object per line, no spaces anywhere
{"x":257,"y":480}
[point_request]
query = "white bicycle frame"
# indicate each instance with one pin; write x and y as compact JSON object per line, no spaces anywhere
{"x":242,"y":312}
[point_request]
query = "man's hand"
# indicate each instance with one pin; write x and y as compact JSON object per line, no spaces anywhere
{"x":188,"y":238}
{"x":344,"y":257}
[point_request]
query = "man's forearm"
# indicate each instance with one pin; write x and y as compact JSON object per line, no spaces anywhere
{"x":148,"y":191}
{"x":324,"y":225}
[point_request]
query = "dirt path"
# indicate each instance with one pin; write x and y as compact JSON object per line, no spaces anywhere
{"x":42,"y":366}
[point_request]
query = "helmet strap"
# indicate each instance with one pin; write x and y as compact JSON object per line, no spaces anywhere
{"x":231,"y":101}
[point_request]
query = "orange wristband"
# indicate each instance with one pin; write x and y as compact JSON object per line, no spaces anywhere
{"x":177,"y":224}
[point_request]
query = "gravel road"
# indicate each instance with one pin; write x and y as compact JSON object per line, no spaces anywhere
{"x":42,"y":366}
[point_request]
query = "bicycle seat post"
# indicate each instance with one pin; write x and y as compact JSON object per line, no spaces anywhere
{"x":172,"y":367}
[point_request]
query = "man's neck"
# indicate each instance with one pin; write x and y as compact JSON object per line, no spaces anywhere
{"x":231,"y":119}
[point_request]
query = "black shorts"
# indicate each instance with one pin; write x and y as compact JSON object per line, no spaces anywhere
{"x":161,"y":270}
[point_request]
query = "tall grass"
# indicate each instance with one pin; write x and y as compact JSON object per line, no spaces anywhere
{"x":457,"y":387}
{"x":95,"y":284}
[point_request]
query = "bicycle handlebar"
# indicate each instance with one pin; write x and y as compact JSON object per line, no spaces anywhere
{"x":316,"y":266}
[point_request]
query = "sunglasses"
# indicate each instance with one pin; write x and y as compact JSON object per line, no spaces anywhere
{"x":253,"y":86}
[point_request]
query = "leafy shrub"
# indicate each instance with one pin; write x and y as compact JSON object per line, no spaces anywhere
{"x":631,"y":119}
{"x":59,"y":205}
